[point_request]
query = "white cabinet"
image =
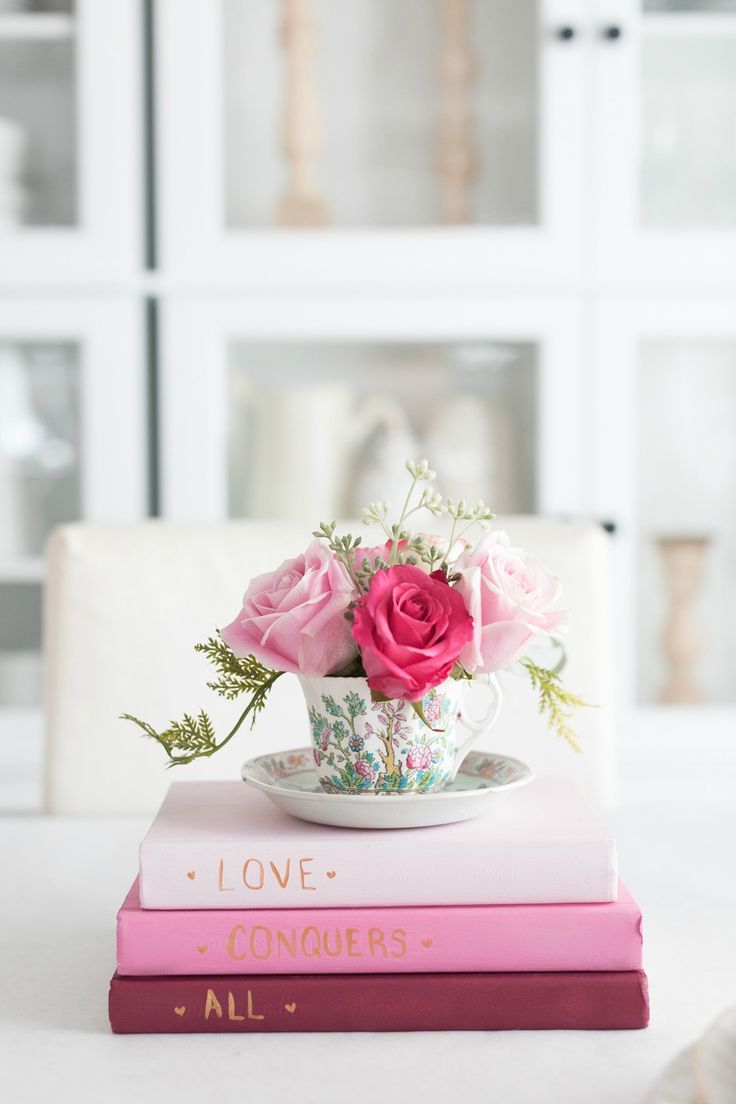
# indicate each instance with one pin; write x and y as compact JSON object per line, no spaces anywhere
{"x":413,"y":145}
{"x":500,"y":233}
{"x":70,"y":142}
{"x":558,"y":321}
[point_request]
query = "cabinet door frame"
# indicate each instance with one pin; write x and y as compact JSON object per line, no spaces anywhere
{"x":626,"y":252}
{"x":106,"y":243}
{"x":195,"y":333}
{"x":113,"y":443}
{"x":196,"y":247}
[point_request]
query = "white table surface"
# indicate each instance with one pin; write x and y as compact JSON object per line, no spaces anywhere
{"x":62,"y":881}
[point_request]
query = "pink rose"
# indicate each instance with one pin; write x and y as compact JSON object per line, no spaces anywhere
{"x":509,"y":595}
{"x":410,"y":628}
{"x":293,"y":619}
{"x":419,"y":758}
{"x":364,"y":768}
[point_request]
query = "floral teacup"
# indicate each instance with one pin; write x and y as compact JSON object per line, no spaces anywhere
{"x":366,"y":747}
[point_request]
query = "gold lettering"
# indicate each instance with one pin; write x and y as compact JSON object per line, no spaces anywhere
{"x":338,"y":943}
{"x":223,"y":888}
{"x":283,"y":882}
{"x":254,"y":940}
{"x":314,"y":952}
{"x":232,"y":941}
{"x":351,"y":934}
{"x":399,"y":936}
{"x":231,"y":1013}
{"x":261,"y":872}
{"x":304,"y":873}
{"x":289,"y":943}
{"x":376,"y":939}
{"x":251,"y":1014}
{"x":212,"y":1004}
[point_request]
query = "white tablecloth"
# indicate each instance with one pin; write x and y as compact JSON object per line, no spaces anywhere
{"x":62,"y":881}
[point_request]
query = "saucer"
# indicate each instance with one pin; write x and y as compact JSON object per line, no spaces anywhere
{"x":288,"y":779}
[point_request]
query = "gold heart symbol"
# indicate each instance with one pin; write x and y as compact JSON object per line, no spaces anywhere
{"x":331,"y":873}
{"x":426,"y":942}
{"x":180,"y":1009}
{"x":191,"y":875}
{"x":290,"y":1007}
{"x":201,"y":949}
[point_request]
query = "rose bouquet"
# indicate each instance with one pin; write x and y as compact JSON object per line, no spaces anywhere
{"x":385,"y":639}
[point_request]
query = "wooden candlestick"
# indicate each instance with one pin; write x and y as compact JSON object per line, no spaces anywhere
{"x":456,"y":151}
{"x":302,"y":204}
{"x":682,"y":640}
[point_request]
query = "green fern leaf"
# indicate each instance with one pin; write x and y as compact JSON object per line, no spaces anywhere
{"x":554,"y":701}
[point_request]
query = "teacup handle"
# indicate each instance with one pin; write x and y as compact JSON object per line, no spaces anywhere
{"x":478,"y":728}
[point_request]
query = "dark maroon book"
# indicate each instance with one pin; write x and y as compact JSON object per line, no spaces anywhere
{"x":597,"y":1000}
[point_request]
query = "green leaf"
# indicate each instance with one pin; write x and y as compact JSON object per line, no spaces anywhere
{"x":194,"y":737}
{"x":237,"y":674}
{"x":555,"y":703}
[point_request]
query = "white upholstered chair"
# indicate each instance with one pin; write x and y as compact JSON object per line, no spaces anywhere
{"x":125,"y":604}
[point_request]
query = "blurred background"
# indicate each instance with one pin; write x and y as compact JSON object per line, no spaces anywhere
{"x":254,"y":254}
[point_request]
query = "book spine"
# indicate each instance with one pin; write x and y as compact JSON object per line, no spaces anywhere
{"x":399,"y":940}
{"x":183,"y":875}
{"x":380,"y":1002}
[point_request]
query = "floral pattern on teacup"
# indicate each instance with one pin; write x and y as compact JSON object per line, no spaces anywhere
{"x":362,"y":746}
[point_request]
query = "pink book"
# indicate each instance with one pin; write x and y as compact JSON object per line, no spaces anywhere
{"x":418,"y":939}
{"x":224,"y":845}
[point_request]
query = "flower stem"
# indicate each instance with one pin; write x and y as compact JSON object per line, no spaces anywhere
{"x":397,"y":531}
{"x":344,"y":560}
{"x":451,"y":541}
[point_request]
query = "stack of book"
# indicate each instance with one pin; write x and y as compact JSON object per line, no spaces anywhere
{"x":244,"y":919}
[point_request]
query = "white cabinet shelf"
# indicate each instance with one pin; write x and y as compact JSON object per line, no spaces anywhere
{"x":689,"y":25}
{"x":26,"y":570}
{"x":40,"y":26}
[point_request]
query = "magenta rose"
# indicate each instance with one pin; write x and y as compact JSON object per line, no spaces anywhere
{"x":510,"y":596}
{"x":293,"y":619}
{"x":410,"y":628}
{"x":364,"y":768}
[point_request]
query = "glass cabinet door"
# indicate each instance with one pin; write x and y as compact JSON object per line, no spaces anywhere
{"x":318,"y":429}
{"x":72,"y":446}
{"x":666,"y":140}
{"x":425,"y":119}
{"x":39,"y":443}
{"x":69,"y":134}
{"x":665,"y":471}
{"x":312,"y":409}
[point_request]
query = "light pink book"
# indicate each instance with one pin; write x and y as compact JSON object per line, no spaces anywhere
{"x":225,"y":845}
{"x":417,"y":939}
